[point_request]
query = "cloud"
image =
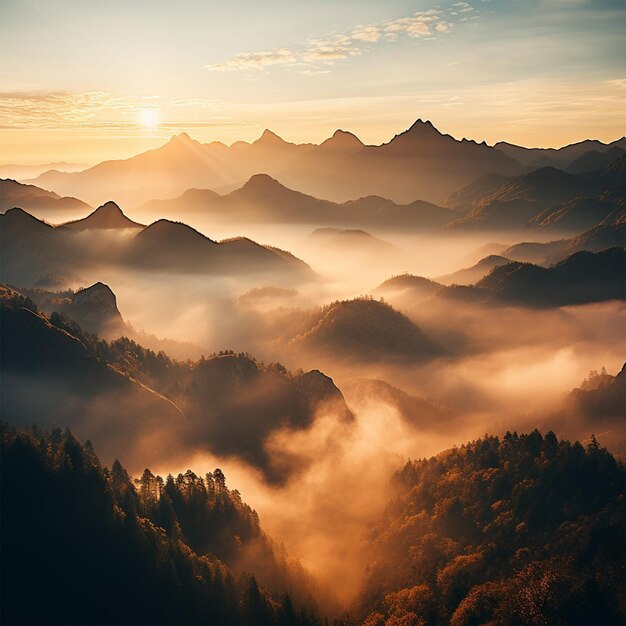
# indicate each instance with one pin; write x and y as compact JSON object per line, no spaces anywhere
{"x":256,"y":60}
{"x":98,"y":110}
{"x":422,"y":24}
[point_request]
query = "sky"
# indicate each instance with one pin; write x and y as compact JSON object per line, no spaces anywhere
{"x":87,"y":80}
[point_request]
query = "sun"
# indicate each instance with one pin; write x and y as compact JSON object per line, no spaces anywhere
{"x":149,"y":118}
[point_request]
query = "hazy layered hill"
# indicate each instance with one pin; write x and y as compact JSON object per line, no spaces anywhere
{"x":35,"y":199}
{"x":595,"y":159}
{"x":581,"y":278}
{"x":408,"y":288}
{"x":109,"y":215}
{"x":353,"y":240}
{"x":364,"y":329}
{"x":557,"y":157}
{"x":264,"y":199}
{"x":545,"y":197}
{"x":37,"y":254}
{"x":176,"y":247}
{"x":594,"y":240}
{"x":418,"y":163}
{"x":470,"y":275}
{"x":420,"y":413}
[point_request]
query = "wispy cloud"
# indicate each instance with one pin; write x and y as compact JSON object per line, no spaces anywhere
{"x":96,"y":110}
{"x":422,"y":24}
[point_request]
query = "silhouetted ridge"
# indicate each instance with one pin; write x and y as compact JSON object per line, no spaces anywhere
{"x":109,"y":215}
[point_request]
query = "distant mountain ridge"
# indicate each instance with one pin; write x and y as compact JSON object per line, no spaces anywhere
{"x":263,"y":199}
{"x":543,"y":198}
{"x":32,"y":198}
{"x":419,"y":163}
{"x":32,"y":250}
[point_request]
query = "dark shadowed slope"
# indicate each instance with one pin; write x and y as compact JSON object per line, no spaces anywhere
{"x":364,"y":329}
{"x":582,"y":278}
{"x":151,"y":551}
{"x":600,"y":397}
{"x":48,"y":370}
{"x":35,"y":199}
{"x":107,"y":216}
{"x":34,"y":253}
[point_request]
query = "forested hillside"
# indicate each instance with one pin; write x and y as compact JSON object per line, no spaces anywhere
{"x":85,"y":544}
{"x":525,"y":529}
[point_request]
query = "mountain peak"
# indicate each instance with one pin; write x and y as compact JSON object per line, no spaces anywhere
{"x":269,"y":138}
{"x":262,"y":182}
{"x":182,"y":139}
{"x":422,"y":126}
{"x":109,"y":215}
{"x":109,"y":208}
{"x":343,"y":139}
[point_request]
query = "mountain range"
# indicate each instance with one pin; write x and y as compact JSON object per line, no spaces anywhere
{"x":419,"y":163}
{"x":263,"y":199}
{"x":33,"y":251}
{"x":547,"y":198}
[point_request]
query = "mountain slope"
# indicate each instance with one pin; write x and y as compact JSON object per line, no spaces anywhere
{"x":46,"y":370}
{"x":35,"y":199}
{"x":470,"y":275}
{"x":594,"y":240}
{"x":545,"y":197}
{"x":186,"y":539}
{"x":523,"y":529}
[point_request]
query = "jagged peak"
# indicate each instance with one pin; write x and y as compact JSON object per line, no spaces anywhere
{"x":97,"y":288}
{"x":421,"y":125}
{"x":182,"y":139}
{"x":269,"y":137}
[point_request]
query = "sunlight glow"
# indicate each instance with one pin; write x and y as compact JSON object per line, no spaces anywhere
{"x":149,"y":118}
